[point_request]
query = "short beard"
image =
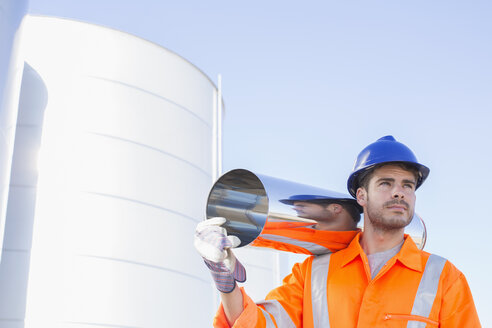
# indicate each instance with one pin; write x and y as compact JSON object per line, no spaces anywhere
{"x":375,"y":216}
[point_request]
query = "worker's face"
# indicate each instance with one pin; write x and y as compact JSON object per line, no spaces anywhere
{"x":312,"y":211}
{"x":389,"y":200}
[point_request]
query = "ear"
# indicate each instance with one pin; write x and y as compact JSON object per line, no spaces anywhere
{"x":361,"y":196}
{"x":336,"y":208}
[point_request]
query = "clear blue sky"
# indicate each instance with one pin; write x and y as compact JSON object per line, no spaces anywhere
{"x":308,"y":85}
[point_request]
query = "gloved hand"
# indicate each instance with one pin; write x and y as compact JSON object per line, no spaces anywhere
{"x":213,"y":244}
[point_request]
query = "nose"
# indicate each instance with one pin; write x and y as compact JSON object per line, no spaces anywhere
{"x":398,"y":193}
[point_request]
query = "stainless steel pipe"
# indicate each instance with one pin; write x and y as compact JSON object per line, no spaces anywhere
{"x":259,"y":212}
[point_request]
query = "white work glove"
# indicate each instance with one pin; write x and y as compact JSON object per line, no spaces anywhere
{"x":213,"y":244}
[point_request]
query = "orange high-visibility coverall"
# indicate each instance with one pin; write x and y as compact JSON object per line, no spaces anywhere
{"x":353,"y":299}
{"x":303,"y":239}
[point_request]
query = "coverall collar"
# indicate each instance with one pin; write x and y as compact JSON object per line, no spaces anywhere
{"x":409,"y":255}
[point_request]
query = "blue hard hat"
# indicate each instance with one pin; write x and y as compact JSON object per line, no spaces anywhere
{"x":384,"y":150}
{"x":334,"y":197}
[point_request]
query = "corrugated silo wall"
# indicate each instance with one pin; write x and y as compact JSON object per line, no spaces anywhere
{"x":112,"y":166}
{"x":12,"y":13}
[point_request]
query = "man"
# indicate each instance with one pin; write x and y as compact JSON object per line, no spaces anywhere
{"x":335,"y":212}
{"x":381,"y":279}
{"x":336,"y":216}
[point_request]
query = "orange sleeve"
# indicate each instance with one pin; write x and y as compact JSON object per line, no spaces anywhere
{"x":458,"y":308}
{"x":332,"y":240}
{"x":280,"y":246}
{"x":289,"y":295}
{"x":249,"y":318}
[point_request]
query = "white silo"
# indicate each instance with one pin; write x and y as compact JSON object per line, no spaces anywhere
{"x":113,"y":162}
{"x":12,"y":13}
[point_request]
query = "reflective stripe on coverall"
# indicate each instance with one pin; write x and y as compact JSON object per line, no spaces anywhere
{"x":422,"y":305}
{"x":414,"y":289}
{"x":297,"y":238}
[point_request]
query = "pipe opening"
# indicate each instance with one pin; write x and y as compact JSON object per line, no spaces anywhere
{"x":240,"y":197}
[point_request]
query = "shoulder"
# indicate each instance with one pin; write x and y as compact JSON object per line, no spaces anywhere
{"x":457,"y":307}
{"x":301,"y":268}
{"x":450,"y":274}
